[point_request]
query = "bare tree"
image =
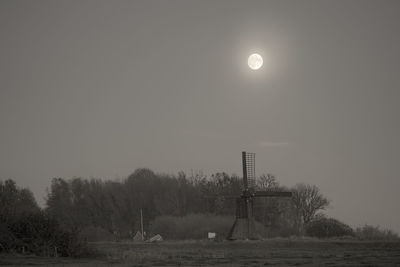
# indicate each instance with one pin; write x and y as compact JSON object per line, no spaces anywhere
{"x":267,"y":182}
{"x":308,"y":200}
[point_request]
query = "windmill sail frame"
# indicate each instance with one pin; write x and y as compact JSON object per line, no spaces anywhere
{"x":249,"y":170}
{"x":244,"y":225}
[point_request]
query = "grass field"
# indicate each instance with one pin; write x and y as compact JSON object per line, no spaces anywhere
{"x":275,"y":252}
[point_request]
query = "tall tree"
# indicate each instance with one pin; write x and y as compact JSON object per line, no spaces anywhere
{"x":267,"y":182}
{"x":308,"y":201}
{"x":59,"y":202}
{"x":15,"y":201}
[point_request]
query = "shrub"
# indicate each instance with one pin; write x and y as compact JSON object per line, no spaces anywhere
{"x":328,"y":227}
{"x":35,"y":232}
{"x":283,"y":230}
{"x":369,"y":232}
{"x":71,"y":244}
{"x":7,"y":238}
{"x":95,"y":233}
{"x":192,"y":226}
{"x":40,"y":234}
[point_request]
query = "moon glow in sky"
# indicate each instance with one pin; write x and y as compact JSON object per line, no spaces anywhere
{"x":255,"y":61}
{"x":78,"y":81}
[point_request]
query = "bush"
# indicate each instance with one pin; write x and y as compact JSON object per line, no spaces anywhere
{"x":24,"y":227}
{"x":95,"y":234}
{"x":7,"y":238}
{"x":71,"y":244}
{"x":192,"y":226}
{"x":328,"y":227}
{"x":369,"y":232}
{"x":35,"y":232}
{"x":283,"y":230}
{"x":40,"y":234}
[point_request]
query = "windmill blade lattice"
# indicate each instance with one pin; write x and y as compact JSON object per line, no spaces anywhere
{"x":249,"y":170}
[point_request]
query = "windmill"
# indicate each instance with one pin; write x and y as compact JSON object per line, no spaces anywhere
{"x":244,"y":225}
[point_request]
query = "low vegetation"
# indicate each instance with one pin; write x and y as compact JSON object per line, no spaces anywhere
{"x":271,"y":252}
{"x":369,"y":232}
{"x":328,"y":227}
{"x":192,"y":226}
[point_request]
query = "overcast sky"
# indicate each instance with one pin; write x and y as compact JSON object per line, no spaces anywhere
{"x":100,"y":88}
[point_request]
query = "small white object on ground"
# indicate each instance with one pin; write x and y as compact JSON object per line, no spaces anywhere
{"x":211,"y":235}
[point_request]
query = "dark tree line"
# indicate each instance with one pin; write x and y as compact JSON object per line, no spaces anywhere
{"x":75,"y":205}
{"x":199,"y":202}
{"x":115,"y":205}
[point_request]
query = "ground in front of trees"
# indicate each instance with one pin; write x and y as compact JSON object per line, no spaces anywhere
{"x":273,"y":252}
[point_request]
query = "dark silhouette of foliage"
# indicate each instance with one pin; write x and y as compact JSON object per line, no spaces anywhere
{"x":15,"y":201}
{"x":328,"y":227}
{"x":192,"y":226}
{"x":370,"y":232}
{"x":24,"y":227}
{"x":178,"y":206}
{"x":115,"y":206}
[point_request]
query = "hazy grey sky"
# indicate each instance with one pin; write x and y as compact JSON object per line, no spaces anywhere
{"x":99,"y":88}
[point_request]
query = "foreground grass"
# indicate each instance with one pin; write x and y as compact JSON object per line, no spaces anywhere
{"x":278,"y":252}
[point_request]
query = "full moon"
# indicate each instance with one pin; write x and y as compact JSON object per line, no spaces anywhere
{"x":255,"y":61}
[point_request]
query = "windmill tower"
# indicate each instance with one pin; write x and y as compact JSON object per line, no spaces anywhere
{"x":244,"y":225}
